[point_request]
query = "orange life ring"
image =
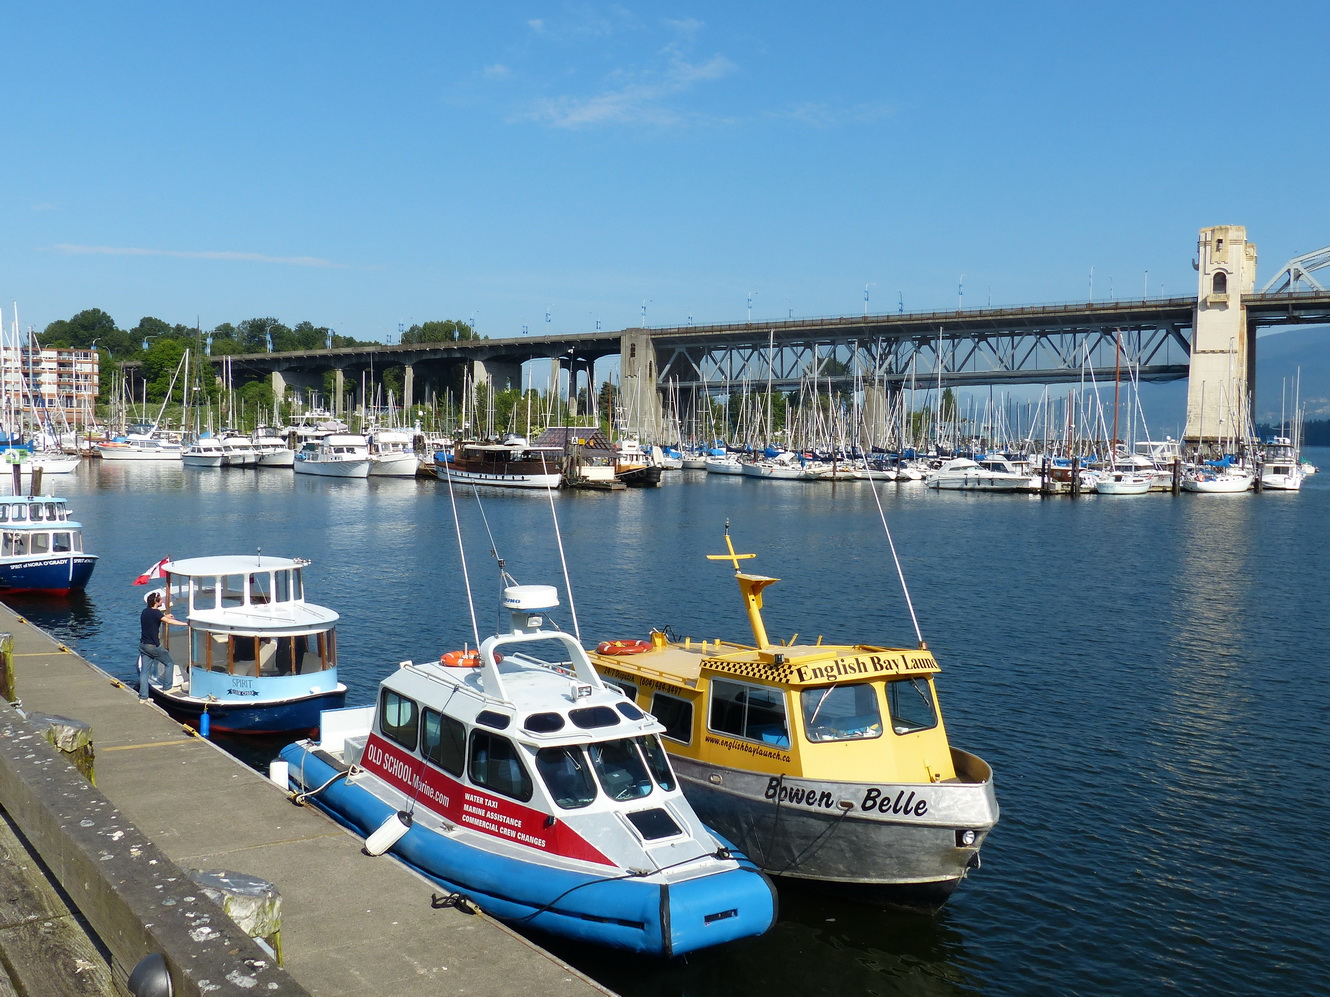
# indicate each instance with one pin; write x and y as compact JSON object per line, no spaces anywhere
{"x":623,"y":646}
{"x":460,"y":659}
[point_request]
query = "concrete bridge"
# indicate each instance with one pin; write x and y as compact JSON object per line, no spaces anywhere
{"x":1208,"y":338}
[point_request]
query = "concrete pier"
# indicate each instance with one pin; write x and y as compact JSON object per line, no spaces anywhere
{"x":166,"y":802}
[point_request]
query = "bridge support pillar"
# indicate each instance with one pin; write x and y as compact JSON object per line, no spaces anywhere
{"x":408,"y":387}
{"x":339,"y":388}
{"x":286,"y":382}
{"x":1223,"y":352}
{"x":498,"y":375}
{"x":638,"y":393}
{"x":873,"y":430}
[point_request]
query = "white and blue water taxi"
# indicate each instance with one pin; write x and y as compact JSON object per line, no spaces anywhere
{"x":41,"y":547}
{"x":514,"y":777}
{"x":255,"y":656}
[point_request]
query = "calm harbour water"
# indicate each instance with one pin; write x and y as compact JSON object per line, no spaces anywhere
{"x":1144,"y":674}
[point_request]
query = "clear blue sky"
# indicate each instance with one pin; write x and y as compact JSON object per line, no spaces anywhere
{"x":362,"y":165}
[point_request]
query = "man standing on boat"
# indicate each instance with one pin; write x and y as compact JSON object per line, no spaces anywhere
{"x":150,"y":639}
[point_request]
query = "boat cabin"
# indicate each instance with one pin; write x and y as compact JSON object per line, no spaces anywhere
{"x":248,"y":616}
{"x":37,"y":525}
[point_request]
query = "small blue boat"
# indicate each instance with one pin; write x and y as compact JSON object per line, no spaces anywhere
{"x":41,"y":548}
{"x":514,"y":777}
{"x":255,"y":656}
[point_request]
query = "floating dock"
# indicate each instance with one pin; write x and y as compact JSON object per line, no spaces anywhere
{"x":166,"y":803}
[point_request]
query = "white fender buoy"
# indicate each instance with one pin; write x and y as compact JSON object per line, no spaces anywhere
{"x":279,"y":774}
{"x":389,"y":833}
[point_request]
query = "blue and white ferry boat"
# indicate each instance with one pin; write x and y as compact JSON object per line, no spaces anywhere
{"x":514,"y":777}
{"x":41,"y":548}
{"x":255,"y":656}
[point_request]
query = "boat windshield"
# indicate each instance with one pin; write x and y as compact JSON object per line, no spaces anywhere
{"x":566,"y":775}
{"x":911,"y":703}
{"x":621,"y":770}
{"x":841,"y":712}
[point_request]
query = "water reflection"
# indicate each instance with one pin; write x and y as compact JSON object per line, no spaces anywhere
{"x":1143,"y":675}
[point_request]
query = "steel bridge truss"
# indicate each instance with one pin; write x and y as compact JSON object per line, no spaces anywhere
{"x":849,"y":359}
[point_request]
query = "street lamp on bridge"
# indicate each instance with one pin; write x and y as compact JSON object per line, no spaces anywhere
{"x":871,"y":283}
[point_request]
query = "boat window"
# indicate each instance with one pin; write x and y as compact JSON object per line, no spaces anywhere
{"x":233,"y":590}
{"x":52,"y":512}
{"x":755,"y":712}
{"x":543,"y":723}
{"x":443,"y":741}
{"x":499,"y":721}
{"x":35,"y":512}
{"x":15,"y":543}
{"x":291,"y":656}
{"x":282,"y":587}
{"x":657,"y":761}
{"x":911,"y":703}
{"x":60,"y":543}
{"x":590,"y":717}
{"x":627,"y":688}
{"x":566,"y":775}
{"x":204,"y":592}
{"x":629,"y":710}
{"x":621,"y":769}
{"x":676,"y":714}
{"x":495,"y":765}
{"x":328,"y":649}
{"x":399,"y":718}
{"x":654,"y":824}
{"x":41,"y":543}
{"x":260,"y":587}
{"x":4,"y":513}
{"x":841,"y":712}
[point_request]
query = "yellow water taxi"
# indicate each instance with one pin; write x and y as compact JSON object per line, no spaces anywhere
{"x":827,"y":763}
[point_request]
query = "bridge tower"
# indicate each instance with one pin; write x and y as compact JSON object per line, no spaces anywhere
{"x":638,"y":391}
{"x":1223,"y":351}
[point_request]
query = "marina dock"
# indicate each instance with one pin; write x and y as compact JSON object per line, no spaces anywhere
{"x":166,"y":803}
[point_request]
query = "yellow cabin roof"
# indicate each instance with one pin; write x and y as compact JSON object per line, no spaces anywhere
{"x":793,"y":665}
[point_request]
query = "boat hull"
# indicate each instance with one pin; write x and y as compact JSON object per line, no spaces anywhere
{"x":394,"y":466}
{"x":277,"y":458}
{"x":499,"y":480}
{"x":637,"y":914}
{"x":334,"y":468}
{"x":287,"y":716}
{"x":803,"y":829}
{"x":55,"y":575}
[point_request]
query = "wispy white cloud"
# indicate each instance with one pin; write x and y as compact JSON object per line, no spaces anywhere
{"x":294,"y":261}
{"x":498,"y":71}
{"x":641,"y":97}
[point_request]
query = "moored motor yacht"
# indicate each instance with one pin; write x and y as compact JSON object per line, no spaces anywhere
{"x":517,"y":779}
{"x":991,"y":473}
{"x":826,"y":763}
{"x":336,"y":455}
{"x":511,"y":463}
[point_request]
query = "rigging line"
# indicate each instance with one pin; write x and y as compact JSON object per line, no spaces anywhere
{"x":558,"y":536}
{"x":461,"y":550}
{"x":900,"y":573}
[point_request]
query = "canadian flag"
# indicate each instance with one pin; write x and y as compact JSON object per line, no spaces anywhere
{"x":154,"y":572}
